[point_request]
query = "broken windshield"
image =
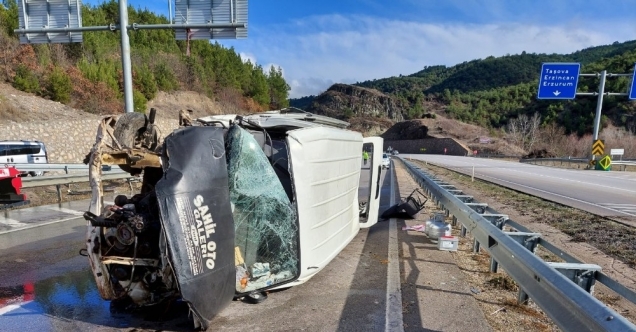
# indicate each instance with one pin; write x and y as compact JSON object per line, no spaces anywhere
{"x":266,"y":240}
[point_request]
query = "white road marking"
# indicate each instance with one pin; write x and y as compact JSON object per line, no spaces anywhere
{"x":69,"y":211}
{"x":626,"y":208}
{"x":12,"y":222}
{"x":29,"y":226}
{"x":12,"y":307}
{"x":394,"y":320}
{"x":8,"y":308}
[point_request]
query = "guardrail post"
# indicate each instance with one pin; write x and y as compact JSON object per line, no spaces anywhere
{"x":66,"y":169}
{"x":522,"y":297}
{"x":493,"y":265}
{"x":475,"y":246}
{"x":454,"y":222}
{"x":59,"y":193}
{"x":462,"y":233}
{"x":528,"y":240}
{"x":581,"y":274}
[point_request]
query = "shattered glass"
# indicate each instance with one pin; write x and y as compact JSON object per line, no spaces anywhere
{"x":266,"y":238}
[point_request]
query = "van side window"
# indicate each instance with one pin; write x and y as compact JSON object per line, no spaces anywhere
{"x":14,"y":150}
{"x":3,"y":150}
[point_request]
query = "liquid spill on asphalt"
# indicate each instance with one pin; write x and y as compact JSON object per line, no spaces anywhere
{"x":71,"y":302}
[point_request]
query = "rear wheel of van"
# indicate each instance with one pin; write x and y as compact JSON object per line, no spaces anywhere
{"x":38,"y":173}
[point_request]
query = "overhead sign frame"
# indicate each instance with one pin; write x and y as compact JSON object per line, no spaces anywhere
{"x":51,"y":14}
{"x":208,"y":12}
{"x":558,"y":80}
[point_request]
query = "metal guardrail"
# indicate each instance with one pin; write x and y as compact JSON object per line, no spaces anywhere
{"x":109,"y":173}
{"x":623,"y":163}
{"x":575,"y":160}
{"x":58,"y":167}
{"x":53,"y":180}
{"x":567,"y":303}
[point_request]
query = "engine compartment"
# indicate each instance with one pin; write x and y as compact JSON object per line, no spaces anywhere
{"x":214,"y":218}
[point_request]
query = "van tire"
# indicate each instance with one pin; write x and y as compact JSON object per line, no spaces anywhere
{"x":255,"y":297}
{"x":128,"y":127}
{"x":38,"y":173}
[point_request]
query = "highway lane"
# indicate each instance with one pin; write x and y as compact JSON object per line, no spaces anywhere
{"x":609,"y":194}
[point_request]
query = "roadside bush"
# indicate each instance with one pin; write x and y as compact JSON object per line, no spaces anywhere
{"x":139,"y":102}
{"x":59,"y":85}
{"x":165,"y":78}
{"x":26,"y":80}
{"x":145,"y":82}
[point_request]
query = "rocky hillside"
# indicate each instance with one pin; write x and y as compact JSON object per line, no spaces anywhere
{"x":413,"y":129}
{"x":343,"y":101}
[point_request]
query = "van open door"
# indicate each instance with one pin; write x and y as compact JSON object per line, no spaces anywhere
{"x":370,"y":181}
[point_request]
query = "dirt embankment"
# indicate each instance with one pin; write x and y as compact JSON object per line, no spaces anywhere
{"x":18,"y":106}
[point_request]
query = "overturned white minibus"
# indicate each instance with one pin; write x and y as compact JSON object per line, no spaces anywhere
{"x":230,"y":206}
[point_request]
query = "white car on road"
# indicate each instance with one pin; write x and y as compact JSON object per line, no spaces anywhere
{"x":386,"y":161}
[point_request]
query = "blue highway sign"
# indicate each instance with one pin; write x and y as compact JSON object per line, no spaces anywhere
{"x":632,"y":89}
{"x":558,"y":80}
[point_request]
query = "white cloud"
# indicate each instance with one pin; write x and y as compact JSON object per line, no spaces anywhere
{"x":318,"y":51}
{"x":247,"y":57}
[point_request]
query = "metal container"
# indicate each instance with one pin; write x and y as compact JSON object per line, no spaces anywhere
{"x":448,"y":243}
{"x":437,"y":229}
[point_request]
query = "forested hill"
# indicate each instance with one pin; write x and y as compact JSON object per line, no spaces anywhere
{"x":88,"y":75}
{"x":490,"y":73}
{"x":490,"y":91}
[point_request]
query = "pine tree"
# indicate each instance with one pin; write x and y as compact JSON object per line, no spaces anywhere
{"x":278,"y":89}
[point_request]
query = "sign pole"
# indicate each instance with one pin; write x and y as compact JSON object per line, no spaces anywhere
{"x":599,"y":104}
{"x":125,"y":56}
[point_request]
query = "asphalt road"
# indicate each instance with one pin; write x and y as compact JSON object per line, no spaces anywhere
{"x":609,"y":194}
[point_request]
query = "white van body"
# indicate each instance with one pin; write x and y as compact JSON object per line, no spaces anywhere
{"x":326,"y":166}
{"x":23,"y":152}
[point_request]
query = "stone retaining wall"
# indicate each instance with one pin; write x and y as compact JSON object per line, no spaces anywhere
{"x":66,"y":141}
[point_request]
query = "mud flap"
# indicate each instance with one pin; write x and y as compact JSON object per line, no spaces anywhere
{"x":197,"y":219}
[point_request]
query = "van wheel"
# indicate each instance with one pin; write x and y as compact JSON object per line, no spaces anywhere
{"x":39,"y":173}
{"x":128,"y":127}
{"x":255,"y":297}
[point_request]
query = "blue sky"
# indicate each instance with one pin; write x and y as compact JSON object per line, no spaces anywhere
{"x":318,"y":43}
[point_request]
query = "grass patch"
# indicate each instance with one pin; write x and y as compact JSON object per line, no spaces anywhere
{"x":503,"y":282}
{"x":10,"y":112}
